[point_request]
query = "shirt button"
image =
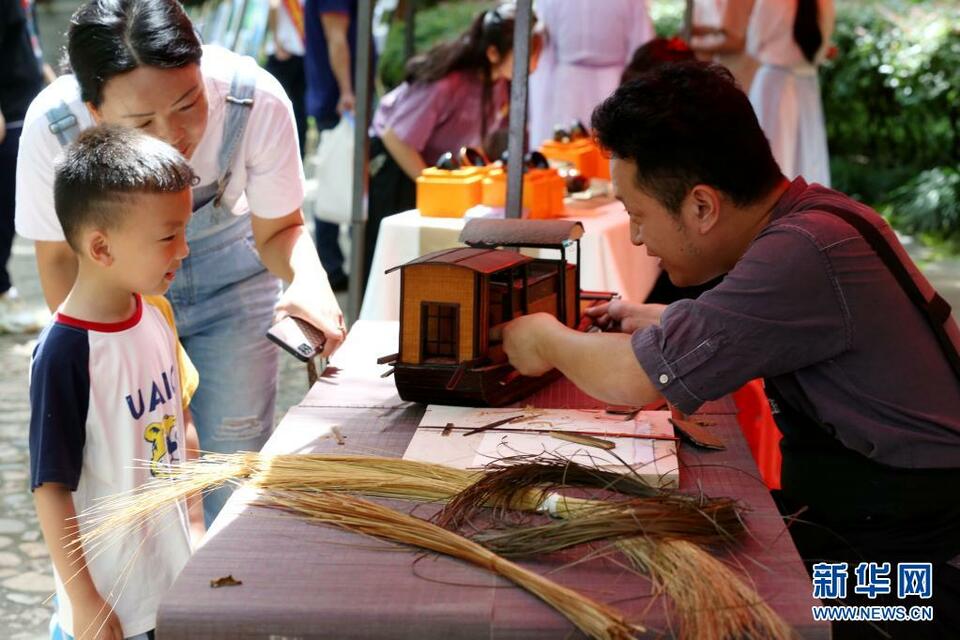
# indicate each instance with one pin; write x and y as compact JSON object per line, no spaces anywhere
{"x":664,"y":378}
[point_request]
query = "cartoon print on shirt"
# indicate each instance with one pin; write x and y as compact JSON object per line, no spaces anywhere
{"x":158,"y":433}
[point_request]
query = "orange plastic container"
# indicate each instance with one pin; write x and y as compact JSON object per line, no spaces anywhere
{"x":543,"y":192}
{"x":583,"y":154}
{"x":445,"y":193}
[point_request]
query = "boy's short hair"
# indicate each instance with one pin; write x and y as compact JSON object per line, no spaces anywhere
{"x":684,"y":124}
{"x":105,"y":165}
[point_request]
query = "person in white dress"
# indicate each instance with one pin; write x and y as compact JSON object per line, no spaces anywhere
{"x":790,"y":38}
{"x":586,"y":48}
{"x":720,"y":34}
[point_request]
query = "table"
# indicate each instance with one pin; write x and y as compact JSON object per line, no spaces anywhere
{"x":307,"y":581}
{"x":610,"y":262}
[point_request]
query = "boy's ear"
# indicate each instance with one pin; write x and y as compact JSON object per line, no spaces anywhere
{"x":96,"y":247}
{"x":94,"y":112}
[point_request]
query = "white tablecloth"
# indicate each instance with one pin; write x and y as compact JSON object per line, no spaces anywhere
{"x":610,"y":262}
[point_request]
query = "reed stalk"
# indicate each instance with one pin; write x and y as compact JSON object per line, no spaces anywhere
{"x":595,"y":619}
{"x":669,"y":516}
{"x":711,"y":600}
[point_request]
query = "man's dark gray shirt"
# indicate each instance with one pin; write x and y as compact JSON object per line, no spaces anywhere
{"x":809,"y":296}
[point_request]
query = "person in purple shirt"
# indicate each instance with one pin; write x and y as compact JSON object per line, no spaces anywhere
{"x":858,"y":353}
{"x":454,"y":95}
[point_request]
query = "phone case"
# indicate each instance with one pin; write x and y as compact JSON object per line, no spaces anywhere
{"x":301,"y":339}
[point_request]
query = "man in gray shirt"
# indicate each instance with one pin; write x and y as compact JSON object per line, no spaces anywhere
{"x":864,"y":379}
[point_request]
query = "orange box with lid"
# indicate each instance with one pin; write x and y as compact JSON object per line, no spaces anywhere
{"x":443,"y":193}
{"x":582,"y":153}
{"x":543,"y":192}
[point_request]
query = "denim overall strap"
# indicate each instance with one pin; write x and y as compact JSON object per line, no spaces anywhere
{"x":239,"y":105}
{"x":209,"y":216}
{"x":63,"y":123}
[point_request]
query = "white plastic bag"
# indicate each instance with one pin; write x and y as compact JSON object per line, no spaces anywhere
{"x":330,"y":191}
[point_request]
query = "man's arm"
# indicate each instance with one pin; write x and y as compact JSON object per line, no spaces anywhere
{"x":335,"y":26}
{"x":93,"y":617}
{"x":603,"y":365}
{"x":57,"y":264}
{"x":287,"y":251}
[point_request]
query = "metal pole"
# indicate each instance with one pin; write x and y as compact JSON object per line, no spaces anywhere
{"x":686,"y":31}
{"x":361,"y":151}
{"x":410,"y":25}
{"x":518,"y":107}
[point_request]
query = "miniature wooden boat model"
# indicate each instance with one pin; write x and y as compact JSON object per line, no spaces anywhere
{"x":452,"y":299}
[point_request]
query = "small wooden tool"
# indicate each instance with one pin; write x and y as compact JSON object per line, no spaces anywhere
{"x":587,"y":441}
{"x":497,"y":423}
{"x":697,"y":435}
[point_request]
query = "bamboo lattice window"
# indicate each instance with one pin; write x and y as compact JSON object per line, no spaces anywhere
{"x":439,"y":330}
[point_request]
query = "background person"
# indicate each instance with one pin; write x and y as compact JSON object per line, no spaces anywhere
{"x":586,"y":47}
{"x":454,"y":95}
{"x":285,"y":50}
{"x":790,"y":39}
{"x":139,"y":63}
{"x":720,"y":34}
{"x":331,"y":52}
{"x":22,"y":76}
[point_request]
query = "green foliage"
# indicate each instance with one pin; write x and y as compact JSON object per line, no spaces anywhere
{"x":667,"y":16}
{"x":929,"y":203}
{"x":890,"y":92}
{"x":434,"y":24}
{"x":892,"y":104}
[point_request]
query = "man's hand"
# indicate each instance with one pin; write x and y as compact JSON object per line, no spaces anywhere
{"x":3,"y":128}
{"x":280,"y":53}
{"x":626,"y":317}
{"x":347,"y":103}
{"x":521,"y":342}
{"x":94,"y":619}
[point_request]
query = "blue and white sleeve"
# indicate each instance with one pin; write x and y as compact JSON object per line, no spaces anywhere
{"x":59,"y":401}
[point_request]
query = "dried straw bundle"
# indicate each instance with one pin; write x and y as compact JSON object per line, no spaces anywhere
{"x":112,"y":517}
{"x":355,"y":514}
{"x":712,"y":601}
{"x":670,"y":516}
{"x":394,"y":478}
{"x":368,"y":475}
{"x":515,"y":485}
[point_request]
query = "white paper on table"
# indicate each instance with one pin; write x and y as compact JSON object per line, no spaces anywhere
{"x":654,"y":460}
{"x":632,"y":451}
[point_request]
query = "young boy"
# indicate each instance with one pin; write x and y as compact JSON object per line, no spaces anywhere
{"x":109,"y":383}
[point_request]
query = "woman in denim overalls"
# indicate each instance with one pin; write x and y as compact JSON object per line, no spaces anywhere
{"x":129,"y":59}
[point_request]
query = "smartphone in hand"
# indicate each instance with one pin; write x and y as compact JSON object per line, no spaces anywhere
{"x":297,"y":336}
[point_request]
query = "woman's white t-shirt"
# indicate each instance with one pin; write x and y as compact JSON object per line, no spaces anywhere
{"x":267,"y":174}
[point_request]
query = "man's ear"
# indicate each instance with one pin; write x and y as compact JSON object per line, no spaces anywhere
{"x":703,"y":207}
{"x":96,"y":247}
